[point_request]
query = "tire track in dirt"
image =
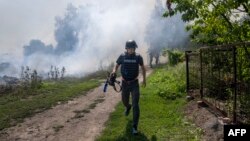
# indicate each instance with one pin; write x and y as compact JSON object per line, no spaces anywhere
{"x":81,"y":119}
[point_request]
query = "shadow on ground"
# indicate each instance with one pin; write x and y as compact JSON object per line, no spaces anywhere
{"x":128,"y":136}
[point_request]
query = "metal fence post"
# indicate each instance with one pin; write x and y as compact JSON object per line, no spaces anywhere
{"x":201,"y":73}
{"x":235,"y":83}
{"x":187,"y":70}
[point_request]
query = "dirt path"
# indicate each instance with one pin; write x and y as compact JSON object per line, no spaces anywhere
{"x":207,"y":119}
{"x":81,"y":119}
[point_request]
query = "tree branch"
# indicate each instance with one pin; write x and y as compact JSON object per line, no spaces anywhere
{"x":225,"y":17}
{"x":246,"y":9}
{"x":240,"y":10}
{"x":168,"y":3}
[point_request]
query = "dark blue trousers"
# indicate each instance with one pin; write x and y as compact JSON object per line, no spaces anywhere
{"x":133,"y":89}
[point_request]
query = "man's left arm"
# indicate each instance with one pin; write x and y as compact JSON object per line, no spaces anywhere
{"x":143,"y":68}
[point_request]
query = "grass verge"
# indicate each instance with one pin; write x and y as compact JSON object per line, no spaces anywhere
{"x":161,"y":116}
{"x":15,"y":107}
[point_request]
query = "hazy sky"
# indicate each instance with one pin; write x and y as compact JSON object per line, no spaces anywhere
{"x":23,"y":20}
{"x":94,"y":31}
{"x":103,"y":27}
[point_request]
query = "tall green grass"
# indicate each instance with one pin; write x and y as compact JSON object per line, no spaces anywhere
{"x":16,"y":106}
{"x":161,"y":116}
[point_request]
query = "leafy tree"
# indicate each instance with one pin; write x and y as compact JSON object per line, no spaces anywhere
{"x":214,"y":21}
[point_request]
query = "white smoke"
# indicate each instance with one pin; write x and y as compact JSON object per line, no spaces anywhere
{"x":164,"y":32}
{"x":9,"y":65}
{"x":94,"y":34}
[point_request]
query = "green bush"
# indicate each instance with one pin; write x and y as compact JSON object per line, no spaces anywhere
{"x":174,"y":56}
{"x":169,"y":83}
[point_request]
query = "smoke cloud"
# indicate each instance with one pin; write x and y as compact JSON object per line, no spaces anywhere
{"x":94,"y":34}
{"x":164,"y":32}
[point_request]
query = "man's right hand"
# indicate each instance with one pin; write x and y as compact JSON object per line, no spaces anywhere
{"x":113,"y":74}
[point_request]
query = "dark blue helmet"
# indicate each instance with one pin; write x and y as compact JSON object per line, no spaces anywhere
{"x":131,"y":44}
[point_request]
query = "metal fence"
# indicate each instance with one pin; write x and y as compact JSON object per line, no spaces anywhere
{"x":193,"y":70}
{"x":222,"y":76}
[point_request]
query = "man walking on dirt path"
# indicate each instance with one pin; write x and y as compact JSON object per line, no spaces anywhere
{"x":130,"y":62}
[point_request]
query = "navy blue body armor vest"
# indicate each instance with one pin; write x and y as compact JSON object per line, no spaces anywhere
{"x":130,"y":65}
